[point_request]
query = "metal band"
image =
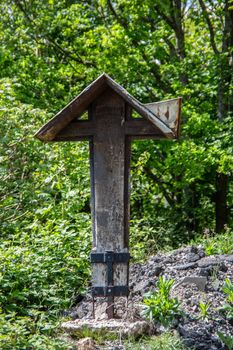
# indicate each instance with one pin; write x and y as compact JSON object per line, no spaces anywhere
{"x":115,"y":291}
{"x":109,"y":256}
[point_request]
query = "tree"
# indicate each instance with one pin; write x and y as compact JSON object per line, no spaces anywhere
{"x":157,"y":50}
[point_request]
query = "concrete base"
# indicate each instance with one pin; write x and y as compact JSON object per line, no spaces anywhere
{"x":122,"y":328}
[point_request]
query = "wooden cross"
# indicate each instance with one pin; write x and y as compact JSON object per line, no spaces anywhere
{"x":110,"y":129}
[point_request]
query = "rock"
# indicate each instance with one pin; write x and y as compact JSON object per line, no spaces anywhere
{"x":191,"y":270}
{"x":187,"y":266}
{"x":201,"y":253}
{"x":206,"y":271}
{"x":216,"y":285}
{"x":154,"y":259}
{"x":85,"y":344}
{"x":228,"y":258}
{"x":100,"y":311}
{"x":223,"y":267}
{"x":189,"y":342}
{"x":156,"y":270}
{"x":124,"y":328}
{"x":168,"y":260}
{"x":141,"y":286}
{"x":209,"y":261}
{"x":136,"y":329}
{"x":183,"y":331}
{"x":194,"y":249}
{"x":191,"y":257}
{"x":200,"y":282}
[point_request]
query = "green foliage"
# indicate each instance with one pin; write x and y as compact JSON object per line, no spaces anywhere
{"x":30,"y":332}
{"x":227,"y":340}
{"x":204,"y":310}
{"x":228,"y":290}
{"x":100,"y":336}
{"x":45,"y":233}
{"x":227,"y":308}
{"x":216,"y":243}
{"x":159,"y":306}
{"x":50,"y":50}
{"x":165,"y":341}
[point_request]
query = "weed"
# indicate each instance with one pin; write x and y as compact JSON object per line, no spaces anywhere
{"x":100,"y":336}
{"x":227,"y":308}
{"x":228,"y":290}
{"x":226,"y":339}
{"x":165,"y":341}
{"x":217,"y":243}
{"x":159,"y":306}
{"x":204,"y":310}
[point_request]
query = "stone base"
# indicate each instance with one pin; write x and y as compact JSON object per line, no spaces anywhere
{"x":122,"y":328}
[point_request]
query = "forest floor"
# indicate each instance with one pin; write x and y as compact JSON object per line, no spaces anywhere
{"x":198,"y":285}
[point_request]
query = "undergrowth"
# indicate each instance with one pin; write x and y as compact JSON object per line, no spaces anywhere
{"x":159,"y":306}
{"x":40,"y":276}
{"x":165,"y":341}
{"x":221,"y":243}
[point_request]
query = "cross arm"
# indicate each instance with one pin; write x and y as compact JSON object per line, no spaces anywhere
{"x":142,"y":128}
{"x":79,"y":130}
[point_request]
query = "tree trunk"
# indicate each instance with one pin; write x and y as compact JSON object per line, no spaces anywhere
{"x":221,"y":211}
{"x":224,"y":109}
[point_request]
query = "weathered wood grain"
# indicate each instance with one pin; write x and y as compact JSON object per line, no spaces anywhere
{"x":141,"y":127}
{"x":76,"y":131}
{"x":110,"y":180}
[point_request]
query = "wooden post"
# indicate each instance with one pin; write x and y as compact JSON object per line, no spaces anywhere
{"x":110,"y":129}
{"x":109,"y":179}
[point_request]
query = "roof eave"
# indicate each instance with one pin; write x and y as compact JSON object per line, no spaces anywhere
{"x":78,"y":105}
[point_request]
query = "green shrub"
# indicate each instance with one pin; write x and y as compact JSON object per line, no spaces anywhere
{"x":159,"y":306}
{"x":227,"y":308}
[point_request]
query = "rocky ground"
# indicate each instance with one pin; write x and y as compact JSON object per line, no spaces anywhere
{"x":198,"y":278}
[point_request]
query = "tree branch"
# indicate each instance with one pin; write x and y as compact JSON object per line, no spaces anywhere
{"x":173,"y":52}
{"x":210,"y":26}
{"x":162,"y":185}
{"x":153,"y":68}
{"x":115,"y":14}
{"x":51,"y":41}
{"x":166,"y":18}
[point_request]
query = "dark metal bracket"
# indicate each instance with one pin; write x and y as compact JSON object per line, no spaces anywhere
{"x":114,"y":291}
{"x":109,"y":256}
{"x":110,"y":291}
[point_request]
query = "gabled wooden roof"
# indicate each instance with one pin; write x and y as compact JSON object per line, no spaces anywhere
{"x":81,"y":103}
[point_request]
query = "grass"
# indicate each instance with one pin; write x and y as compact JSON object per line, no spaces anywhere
{"x":100,"y":336}
{"x":217,"y":243}
{"x":165,"y":341}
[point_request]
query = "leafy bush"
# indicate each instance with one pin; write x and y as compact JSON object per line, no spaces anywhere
{"x":227,"y":308}
{"x":27,"y":333}
{"x":45,"y":230}
{"x":159,"y":306}
{"x":41,"y":275}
